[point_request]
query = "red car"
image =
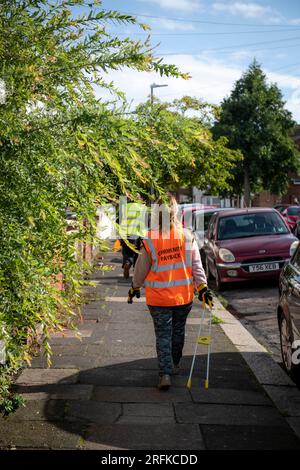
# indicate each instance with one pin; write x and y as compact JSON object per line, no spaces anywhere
{"x":281,"y":207}
{"x":291,"y":215}
{"x":247,"y":244}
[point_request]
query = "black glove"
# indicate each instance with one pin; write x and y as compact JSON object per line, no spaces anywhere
{"x":133,"y":292}
{"x":205,"y":295}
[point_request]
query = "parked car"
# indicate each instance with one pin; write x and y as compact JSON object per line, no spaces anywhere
{"x":296,"y":229}
{"x":201,"y":219}
{"x":291,"y":215}
{"x":187,"y":213}
{"x":281,"y":207}
{"x":247,"y":244}
{"x":288,"y":314}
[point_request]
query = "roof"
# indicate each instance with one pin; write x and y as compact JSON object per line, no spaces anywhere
{"x":212,"y":209}
{"x":251,"y":210}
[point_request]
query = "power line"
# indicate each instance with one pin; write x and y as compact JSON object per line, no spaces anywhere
{"x":197,"y":20}
{"x":224,"y":48}
{"x":149,"y":33}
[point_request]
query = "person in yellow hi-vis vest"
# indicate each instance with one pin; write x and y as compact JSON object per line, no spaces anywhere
{"x":132,"y":229}
{"x":170,"y":268}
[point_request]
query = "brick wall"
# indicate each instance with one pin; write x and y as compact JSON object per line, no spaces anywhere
{"x":265,"y":199}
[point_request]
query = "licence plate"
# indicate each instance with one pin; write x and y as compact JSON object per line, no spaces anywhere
{"x":257,"y":268}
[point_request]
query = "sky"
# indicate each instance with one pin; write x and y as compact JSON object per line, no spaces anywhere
{"x":214,"y":41}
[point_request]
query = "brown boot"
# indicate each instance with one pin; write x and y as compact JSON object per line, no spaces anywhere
{"x":164,"y":382}
{"x":126,"y":270}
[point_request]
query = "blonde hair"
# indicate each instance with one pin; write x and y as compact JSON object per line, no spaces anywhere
{"x":164,"y":214}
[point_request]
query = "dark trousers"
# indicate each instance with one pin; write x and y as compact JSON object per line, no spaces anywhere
{"x":130,"y":256}
{"x":169,"y":326}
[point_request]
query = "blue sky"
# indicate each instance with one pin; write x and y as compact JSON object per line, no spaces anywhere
{"x":215,"y":40}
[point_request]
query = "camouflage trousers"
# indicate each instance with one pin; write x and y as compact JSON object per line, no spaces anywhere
{"x":169,"y":326}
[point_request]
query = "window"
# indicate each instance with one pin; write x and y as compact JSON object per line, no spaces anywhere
{"x":294,"y":211}
{"x":201,"y":221}
{"x":211,"y":226}
{"x":251,"y":225}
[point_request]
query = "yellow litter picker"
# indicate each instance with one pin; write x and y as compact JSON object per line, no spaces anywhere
{"x":205,"y":340}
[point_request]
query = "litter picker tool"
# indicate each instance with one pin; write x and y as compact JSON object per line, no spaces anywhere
{"x":205,"y":340}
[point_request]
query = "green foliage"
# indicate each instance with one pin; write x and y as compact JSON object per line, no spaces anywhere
{"x":181,"y":148}
{"x":60,"y":147}
{"x":254,"y":120}
{"x":9,"y":401}
{"x":216,"y":320}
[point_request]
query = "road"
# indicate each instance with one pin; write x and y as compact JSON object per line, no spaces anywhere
{"x":255,"y":306}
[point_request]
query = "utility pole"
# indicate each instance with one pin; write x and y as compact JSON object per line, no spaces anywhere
{"x":154,"y":85}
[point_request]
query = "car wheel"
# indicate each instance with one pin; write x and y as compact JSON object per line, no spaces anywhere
{"x":286,"y":345}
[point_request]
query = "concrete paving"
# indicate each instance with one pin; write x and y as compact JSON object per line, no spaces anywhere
{"x":101,"y":390}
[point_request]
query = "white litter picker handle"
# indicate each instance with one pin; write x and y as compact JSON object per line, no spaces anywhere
{"x":206,"y":383}
{"x":189,"y":382}
{"x":206,"y":340}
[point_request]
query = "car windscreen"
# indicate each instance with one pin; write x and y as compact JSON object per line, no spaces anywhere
{"x":251,"y":225}
{"x":293,"y":211}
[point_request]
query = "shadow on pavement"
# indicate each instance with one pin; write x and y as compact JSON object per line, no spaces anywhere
{"x":119,"y":407}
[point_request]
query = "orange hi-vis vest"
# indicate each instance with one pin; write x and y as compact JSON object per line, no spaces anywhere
{"x":170,"y":280}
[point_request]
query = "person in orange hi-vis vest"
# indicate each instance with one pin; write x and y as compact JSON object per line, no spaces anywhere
{"x":170,"y":268}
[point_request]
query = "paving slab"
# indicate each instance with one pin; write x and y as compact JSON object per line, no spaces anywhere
{"x":66,"y":362}
{"x":266,"y":370}
{"x":147,"y":413}
{"x":150,"y":420}
{"x":92,"y":412}
{"x":294,"y":424}
{"x":121,"y":377}
{"x":287,"y":399}
{"x":144,"y":436}
{"x":140,"y":395}
{"x":35,"y":434}
{"x":228,"y":414}
{"x":39,"y":410}
{"x":55,"y":392}
{"x":229,"y":396}
{"x":47,"y":376}
{"x":248,"y":437}
{"x":76,"y":349}
{"x":148,"y":409}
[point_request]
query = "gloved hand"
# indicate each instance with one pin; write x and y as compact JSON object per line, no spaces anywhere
{"x":205,"y":295}
{"x":133,"y":292}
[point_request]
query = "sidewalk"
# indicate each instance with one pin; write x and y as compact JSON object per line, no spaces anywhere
{"x":101,"y":392}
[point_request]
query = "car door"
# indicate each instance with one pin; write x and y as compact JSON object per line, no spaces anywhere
{"x":293,"y":292}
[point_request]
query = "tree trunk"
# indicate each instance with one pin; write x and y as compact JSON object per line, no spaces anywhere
{"x":247,"y":198}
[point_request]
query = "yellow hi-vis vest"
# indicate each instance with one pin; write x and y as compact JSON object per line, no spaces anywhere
{"x":134,"y":221}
